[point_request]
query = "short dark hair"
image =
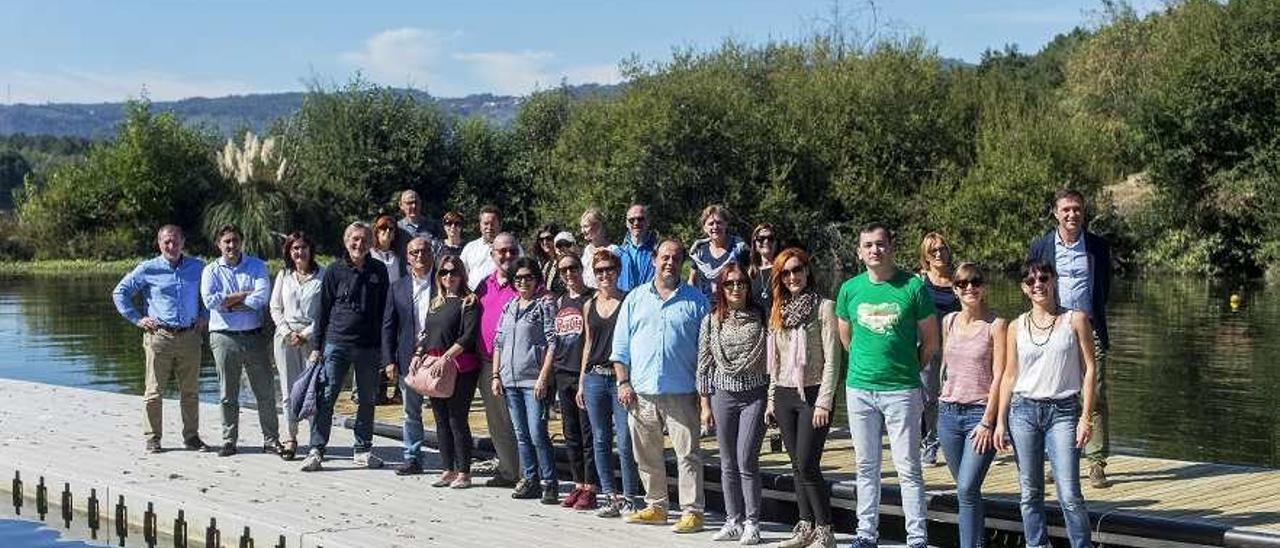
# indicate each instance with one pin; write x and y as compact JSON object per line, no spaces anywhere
{"x":1067,"y":193}
{"x":525,"y":262}
{"x":224,"y":229}
{"x":668,"y":239}
{"x":1037,"y":266}
{"x":295,"y":237}
{"x":490,"y":208}
{"x":874,"y":226}
{"x":171,"y":228}
{"x":453,"y":216}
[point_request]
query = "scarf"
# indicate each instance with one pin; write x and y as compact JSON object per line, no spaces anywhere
{"x":796,"y":313}
{"x":797,"y":310}
{"x":746,"y":332}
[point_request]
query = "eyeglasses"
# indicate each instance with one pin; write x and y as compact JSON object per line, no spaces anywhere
{"x":504,"y":250}
{"x":605,"y":269}
{"x":797,"y":271}
{"x":939,"y":250}
{"x":568,"y":269}
{"x":1031,"y":280}
{"x":524,"y":278}
{"x":452,"y":223}
{"x":635,"y":220}
{"x":408,"y":202}
{"x":763,"y":239}
{"x":735,"y":284}
{"x":419,"y":252}
{"x":966,"y":284}
{"x":448,"y":272}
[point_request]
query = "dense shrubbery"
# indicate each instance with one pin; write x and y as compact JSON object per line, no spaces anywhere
{"x":811,"y":136}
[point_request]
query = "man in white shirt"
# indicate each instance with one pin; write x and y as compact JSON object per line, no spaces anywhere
{"x":476,"y":253}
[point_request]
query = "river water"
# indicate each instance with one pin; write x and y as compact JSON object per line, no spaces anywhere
{"x":1189,"y":377}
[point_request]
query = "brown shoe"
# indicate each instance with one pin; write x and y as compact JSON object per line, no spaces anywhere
{"x":1098,"y":476}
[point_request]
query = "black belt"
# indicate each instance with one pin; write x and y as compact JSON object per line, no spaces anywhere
{"x":246,"y":332}
{"x":176,"y":329}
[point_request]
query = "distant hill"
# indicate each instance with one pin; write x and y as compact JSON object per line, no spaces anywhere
{"x":228,"y":114}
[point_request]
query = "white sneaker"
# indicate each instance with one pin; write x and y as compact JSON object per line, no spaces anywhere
{"x":730,"y":531}
{"x":312,"y":462}
{"x":367,"y":460}
{"x":750,"y":533}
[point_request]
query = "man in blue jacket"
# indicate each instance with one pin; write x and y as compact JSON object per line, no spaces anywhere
{"x":407,"y":304}
{"x":1083,"y":262}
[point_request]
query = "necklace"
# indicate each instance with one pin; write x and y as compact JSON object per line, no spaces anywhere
{"x":1031,"y":334}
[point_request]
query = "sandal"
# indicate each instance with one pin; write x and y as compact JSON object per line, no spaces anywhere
{"x":289,"y":451}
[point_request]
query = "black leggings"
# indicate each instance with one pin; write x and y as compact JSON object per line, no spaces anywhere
{"x":804,"y":445}
{"x":453,"y":431}
{"x":577,"y":429}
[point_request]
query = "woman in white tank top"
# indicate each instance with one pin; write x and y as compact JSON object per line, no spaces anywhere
{"x":1045,"y":398}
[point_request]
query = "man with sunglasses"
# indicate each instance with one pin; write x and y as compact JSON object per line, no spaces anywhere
{"x":1083,"y":262}
{"x":407,"y":304}
{"x":882,"y":313}
{"x":636,"y":251}
{"x":493,"y":292}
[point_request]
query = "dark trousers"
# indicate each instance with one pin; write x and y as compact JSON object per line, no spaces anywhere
{"x":452,"y":429}
{"x":804,"y":445}
{"x":577,"y":429}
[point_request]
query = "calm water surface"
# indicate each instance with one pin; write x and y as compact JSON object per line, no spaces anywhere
{"x":1189,"y":378}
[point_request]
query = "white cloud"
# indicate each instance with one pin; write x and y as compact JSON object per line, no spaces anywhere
{"x":82,"y":86}
{"x":403,"y":57}
{"x":521,"y":73}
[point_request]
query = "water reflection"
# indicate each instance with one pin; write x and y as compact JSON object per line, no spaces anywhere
{"x":1189,"y":378}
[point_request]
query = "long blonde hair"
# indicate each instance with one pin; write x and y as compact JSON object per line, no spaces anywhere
{"x":468,"y":297}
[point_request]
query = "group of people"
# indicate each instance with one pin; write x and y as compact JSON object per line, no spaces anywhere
{"x":635,"y":353}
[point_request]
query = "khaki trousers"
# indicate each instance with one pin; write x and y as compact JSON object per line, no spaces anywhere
{"x":177,"y":354}
{"x":498,"y":419}
{"x":680,"y":413}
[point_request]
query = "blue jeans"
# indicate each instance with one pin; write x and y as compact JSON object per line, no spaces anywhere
{"x":338,"y":359}
{"x":608,"y":417}
{"x":411,"y":431}
{"x":529,"y":419}
{"x":897,"y":413}
{"x":1038,"y":427}
{"x":956,"y":423}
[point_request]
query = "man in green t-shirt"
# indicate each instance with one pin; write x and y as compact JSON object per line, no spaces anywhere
{"x":883,"y":313}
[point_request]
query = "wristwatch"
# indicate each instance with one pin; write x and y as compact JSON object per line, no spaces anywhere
{"x":623,"y":381}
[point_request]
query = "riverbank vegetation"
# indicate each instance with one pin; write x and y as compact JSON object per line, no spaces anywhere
{"x":1166,"y":121}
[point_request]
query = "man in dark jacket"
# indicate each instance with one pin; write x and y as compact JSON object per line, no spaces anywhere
{"x":407,"y":306}
{"x":353,"y":296}
{"x":1083,"y":262}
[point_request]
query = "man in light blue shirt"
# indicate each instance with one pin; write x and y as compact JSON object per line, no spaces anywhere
{"x":655,"y":345}
{"x":236,"y":288}
{"x":171,"y":321}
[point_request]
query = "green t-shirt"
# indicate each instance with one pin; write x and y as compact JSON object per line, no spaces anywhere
{"x":883,"y":319}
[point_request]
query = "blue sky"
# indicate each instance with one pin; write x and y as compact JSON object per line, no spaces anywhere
{"x":91,"y":50}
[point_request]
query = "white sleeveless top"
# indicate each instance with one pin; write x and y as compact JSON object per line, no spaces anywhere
{"x":1051,"y":370}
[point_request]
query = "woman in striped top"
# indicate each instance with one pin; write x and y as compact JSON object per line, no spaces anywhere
{"x":734,"y":387}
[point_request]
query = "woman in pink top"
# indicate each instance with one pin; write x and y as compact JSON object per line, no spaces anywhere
{"x":973,"y":358}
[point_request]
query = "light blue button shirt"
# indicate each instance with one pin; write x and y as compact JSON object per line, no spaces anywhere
{"x":657,"y":340}
{"x":220,"y":279}
{"x":1074,"y":275}
{"x":170,"y":295}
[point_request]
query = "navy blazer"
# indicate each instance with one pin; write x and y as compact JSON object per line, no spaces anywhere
{"x":399,"y":325}
{"x":1098,"y":249}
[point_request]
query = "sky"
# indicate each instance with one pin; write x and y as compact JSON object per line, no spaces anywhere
{"x":84,"y":51}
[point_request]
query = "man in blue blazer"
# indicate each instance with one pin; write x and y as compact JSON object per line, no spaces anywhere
{"x":407,"y":305}
{"x":1083,"y":262}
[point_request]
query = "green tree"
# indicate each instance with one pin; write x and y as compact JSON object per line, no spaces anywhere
{"x":13,"y":171}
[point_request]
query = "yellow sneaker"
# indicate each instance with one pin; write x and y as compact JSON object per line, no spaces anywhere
{"x":652,"y":515}
{"x":690,"y":522}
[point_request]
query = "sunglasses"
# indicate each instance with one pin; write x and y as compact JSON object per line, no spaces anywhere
{"x":797,"y":271}
{"x":1031,"y":280}
{"x":448,"y":272}
{"x":567,"y":269}
{"x":608,"y":269}
{"x":966,"y":284}
{"x":525,"y":278}
{"x":763,"y":239}
{"x":452,"y":223}
{"x":419,"y":252}
{"x":635,"y":220}
{"x":563,"y":243}
{"x":505,"y":250}
{"x":545,"y":237}
{"x":736,"y":284}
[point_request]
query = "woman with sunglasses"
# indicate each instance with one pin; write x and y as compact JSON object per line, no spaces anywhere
{"x":449,"y":335}
{"x":711,"y":254}
{"x":452,"y":243}
{"x":803,"y":356}
{"x":598,"y":392}
{"x":734,"y":387}
{"x":522,"y":353}
{"x":764,"y":248}
{"x":973,"y":346}
{"x":567,"y":372}
{"x":544,"y":251}
{"x":936,"y":272}
{"x":1046,"y":395}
